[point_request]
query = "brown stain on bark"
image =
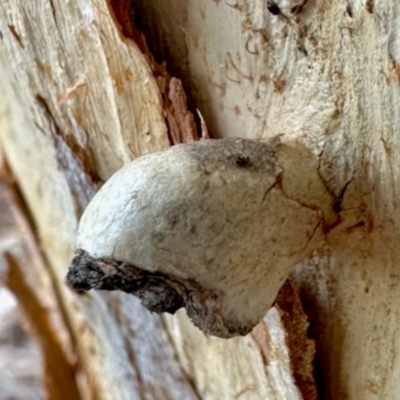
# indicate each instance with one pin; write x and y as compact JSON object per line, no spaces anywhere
{"x":122,"y":13}
{"x":44,"y":312}
{"x":59,"y":373}
{"x":369,"y":5}
{"x":279,"y":84}
{"x":301,"y":347}
{"x":16,"y":35}
{"x":180,"y":121}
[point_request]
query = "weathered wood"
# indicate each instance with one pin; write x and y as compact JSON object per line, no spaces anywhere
{"x":325,"y":73}
{"x":23,"y":271}
{"x":20,"y":356}
{"x":78,"y":101}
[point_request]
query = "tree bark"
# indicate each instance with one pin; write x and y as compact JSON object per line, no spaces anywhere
{"x":83,"y":93}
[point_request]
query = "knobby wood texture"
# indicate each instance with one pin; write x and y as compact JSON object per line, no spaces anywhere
{"x":81,"y":97}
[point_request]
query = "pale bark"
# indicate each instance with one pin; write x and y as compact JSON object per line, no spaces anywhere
{"x":78,"y":101}
{"x":327,"y":76}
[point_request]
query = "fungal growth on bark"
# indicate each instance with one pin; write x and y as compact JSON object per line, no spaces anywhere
{"x":213,"y":226}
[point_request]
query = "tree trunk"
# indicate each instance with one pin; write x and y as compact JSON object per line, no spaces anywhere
{"x":84,"y":93}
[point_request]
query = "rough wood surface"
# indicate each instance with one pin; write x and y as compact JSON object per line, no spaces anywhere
{"x":79,"y":100}
{"x":20,"y":356}
{"x":327,"y":74}
{"x":23,"y":271}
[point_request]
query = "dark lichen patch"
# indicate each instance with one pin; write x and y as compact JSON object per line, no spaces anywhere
{"x":273,"y":8}
{"x":241,"y":161}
